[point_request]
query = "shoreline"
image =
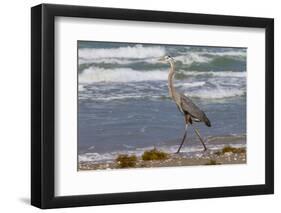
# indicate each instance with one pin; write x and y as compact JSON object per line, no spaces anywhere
{"x":210,"y":157}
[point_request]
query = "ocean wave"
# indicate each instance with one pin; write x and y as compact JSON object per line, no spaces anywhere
{"x":192,"y":57}
{"x":201,"y":93}
{"x":96,"y":74}
{"x":137,"y":51}
{"x":208,"y":57}
{"x":120,"y":61}
{"x":151,"y":54}
{"x":227,"y":53}
{"x":184,"y":59}
{"x":99,"y":84}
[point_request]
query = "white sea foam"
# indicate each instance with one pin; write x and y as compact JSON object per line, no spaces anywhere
{"x":93,"y":156}
{"x":137,"y":51}
{"x":218,"y":74}
{"x":106,"y":157}
{"x":191,"y":84}
{"x":96,"y":74}
{"x":216,"y":93}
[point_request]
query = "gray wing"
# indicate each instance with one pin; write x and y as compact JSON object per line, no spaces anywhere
{"x":188,"y":106}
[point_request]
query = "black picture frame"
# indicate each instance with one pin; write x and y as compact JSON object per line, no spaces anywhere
{"x":43,"y":102}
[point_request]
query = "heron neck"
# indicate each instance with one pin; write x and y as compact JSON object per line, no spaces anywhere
{"x":171,"y":87}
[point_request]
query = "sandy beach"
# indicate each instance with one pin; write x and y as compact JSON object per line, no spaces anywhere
{"x":210,"y":157}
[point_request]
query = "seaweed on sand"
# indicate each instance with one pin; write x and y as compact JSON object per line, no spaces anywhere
{"x":154,"y":154}
{"x":125,"y":161}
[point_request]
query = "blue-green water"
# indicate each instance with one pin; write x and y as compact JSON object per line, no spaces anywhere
{"x":124,"y":105}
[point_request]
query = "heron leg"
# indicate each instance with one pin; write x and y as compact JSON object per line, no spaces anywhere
{"x":200,"y":138}
{"x":183,"y":139}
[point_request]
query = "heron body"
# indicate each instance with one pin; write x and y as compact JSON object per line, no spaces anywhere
{"x":190,"y":111}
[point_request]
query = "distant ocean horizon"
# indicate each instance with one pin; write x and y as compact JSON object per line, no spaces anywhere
{"x":124,"y":106}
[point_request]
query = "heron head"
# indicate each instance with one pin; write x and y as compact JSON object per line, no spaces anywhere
{"x":166,"y":58}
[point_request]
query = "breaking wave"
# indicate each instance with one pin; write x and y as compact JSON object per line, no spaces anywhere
{"x":151,"y":54}
{"x":96,"y":74}
{"x":218,"y":74}
{"x":137,"y":51}
{"x":192,"y":57}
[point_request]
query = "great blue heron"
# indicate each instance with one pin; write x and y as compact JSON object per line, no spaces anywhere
{"x":190,"y":111}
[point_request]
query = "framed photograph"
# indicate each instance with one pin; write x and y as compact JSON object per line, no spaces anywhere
{"x":139,"y":106}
